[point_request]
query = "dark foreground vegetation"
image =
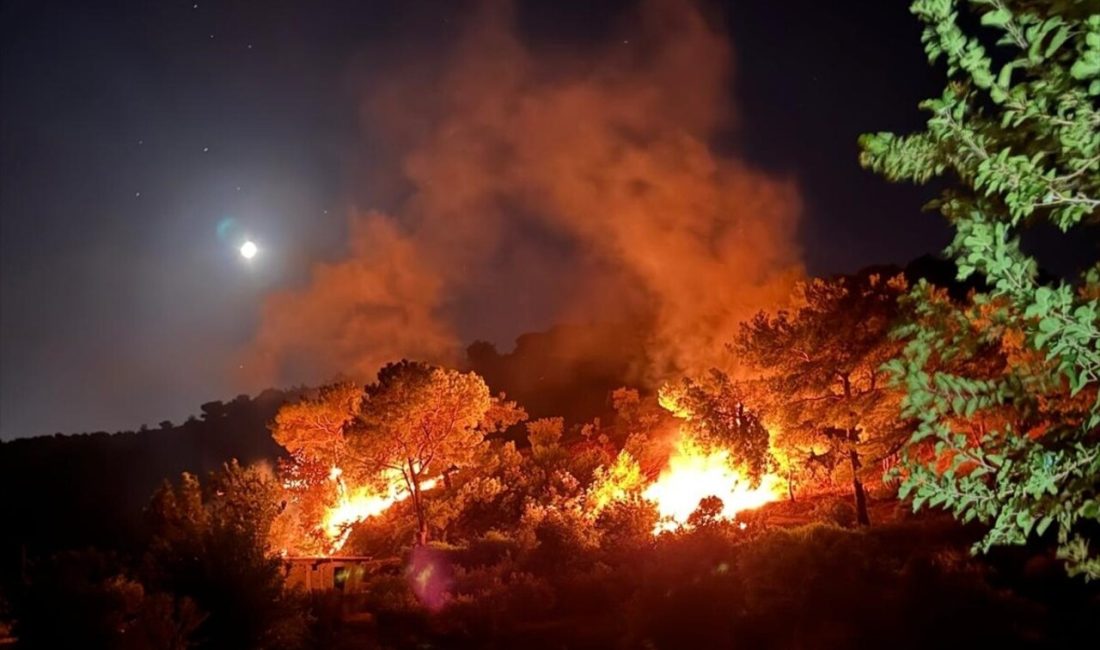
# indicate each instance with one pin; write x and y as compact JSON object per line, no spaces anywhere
{"x":909,"y":583}
{"x":905,"y":585}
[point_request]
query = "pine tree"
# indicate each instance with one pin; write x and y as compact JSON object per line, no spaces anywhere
{"x":820,"y":363}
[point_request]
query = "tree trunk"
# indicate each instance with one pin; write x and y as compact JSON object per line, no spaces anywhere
{"x":790,"y":483}
{"x":857,"y":485}
{"x":853,"y":457}
{"x":418,"y":506}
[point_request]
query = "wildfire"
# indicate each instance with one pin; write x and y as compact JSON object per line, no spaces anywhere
{"x":694,"y":473}
{"x":356,"y":504}
{"x":615,"y":483}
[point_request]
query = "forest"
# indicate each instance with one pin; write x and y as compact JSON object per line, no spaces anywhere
{"x":701,"y":514}
{"x":895,"y":457}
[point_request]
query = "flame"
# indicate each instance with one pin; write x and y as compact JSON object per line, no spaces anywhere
{"x":357,"y":504}
{"x":615,"y":483}
{"x":694,"y":473}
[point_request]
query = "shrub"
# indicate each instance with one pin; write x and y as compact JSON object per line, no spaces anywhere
{"x":835,"y":511}
{"x":627,"y":525}
{"x":82,"y":599}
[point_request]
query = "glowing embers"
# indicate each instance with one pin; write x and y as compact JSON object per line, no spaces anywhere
{"x":694,"y":473}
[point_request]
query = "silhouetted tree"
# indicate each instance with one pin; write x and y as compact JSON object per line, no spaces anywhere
{"x":210,"y":543}
{"x":822,"y":366}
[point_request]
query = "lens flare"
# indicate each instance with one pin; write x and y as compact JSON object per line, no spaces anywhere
{"x":249,"y":249}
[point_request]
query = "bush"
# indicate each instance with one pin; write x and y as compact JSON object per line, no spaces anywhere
{"x":836,"y":511}
{"x":487,"y":602}
{"x":493,"y":548}
{"x":389,"y":593}
{"x":209,"y":544}
{"x":81,"y":599}
{"x":563,"y":539}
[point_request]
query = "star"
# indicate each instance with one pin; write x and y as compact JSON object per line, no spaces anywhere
{"x":205,"y":149}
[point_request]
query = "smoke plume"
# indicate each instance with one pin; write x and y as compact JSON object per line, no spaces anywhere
{"x":609,"y":155}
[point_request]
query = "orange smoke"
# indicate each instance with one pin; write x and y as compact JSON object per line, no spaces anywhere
{"x":356,"y":315}
{"x":608,"y":151}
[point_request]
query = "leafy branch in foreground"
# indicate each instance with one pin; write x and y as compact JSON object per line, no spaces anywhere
{"x":1004,"y":387}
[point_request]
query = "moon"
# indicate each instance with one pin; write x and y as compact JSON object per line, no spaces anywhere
{"x":249,"y":249}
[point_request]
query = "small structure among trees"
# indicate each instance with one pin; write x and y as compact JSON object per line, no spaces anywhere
{"x":347,"y":574}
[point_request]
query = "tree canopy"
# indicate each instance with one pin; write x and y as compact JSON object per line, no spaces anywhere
{"x":419,"y":421}
{"x":313,"y":428}
{"x":821,"y":365}
{"x":714,"y":409}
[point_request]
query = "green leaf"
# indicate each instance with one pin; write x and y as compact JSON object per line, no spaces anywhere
{"x":1027,"y":159}
{"x":997,"y":18}
{"x":1059,"y":39}
{"x":1085,"y":68}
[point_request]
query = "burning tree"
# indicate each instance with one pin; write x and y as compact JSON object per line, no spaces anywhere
{"x":421,"y":421}
{"x":355,"y":451}
{"x":699,"y":476}
{"x":719,"y":452}
{"x":715,"y":411}
{"x":313,"y":431}
{"x":821,"y":365}
{"x":620,"y":481}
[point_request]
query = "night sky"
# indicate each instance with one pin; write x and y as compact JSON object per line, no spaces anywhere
{"x":143,"y":141}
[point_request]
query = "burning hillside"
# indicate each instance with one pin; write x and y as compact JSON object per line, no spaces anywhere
{"x":321,"y":513}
